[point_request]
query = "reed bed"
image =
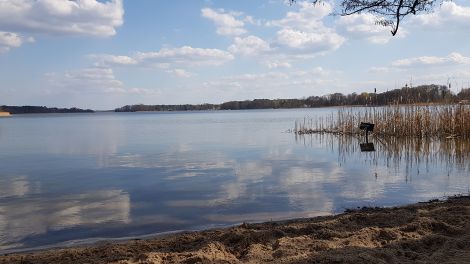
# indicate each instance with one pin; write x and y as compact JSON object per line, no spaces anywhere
{"x":443,"y":121}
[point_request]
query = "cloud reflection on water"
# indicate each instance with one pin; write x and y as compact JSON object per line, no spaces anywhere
{"x":186,"y":170}
{"x":16,"y":186}
{"x":20,"y":218}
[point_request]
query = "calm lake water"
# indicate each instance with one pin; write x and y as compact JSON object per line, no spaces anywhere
{"x":67,"y":179}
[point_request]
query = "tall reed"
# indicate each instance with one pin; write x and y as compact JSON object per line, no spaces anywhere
{"x":444,"y":121}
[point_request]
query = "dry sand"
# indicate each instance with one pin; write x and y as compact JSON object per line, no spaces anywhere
{"x":433,"y":232}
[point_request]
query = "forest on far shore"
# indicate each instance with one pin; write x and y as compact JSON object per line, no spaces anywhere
{"x":41,"y":110}
{"x":406,"y":95}
{"x":416,"y":95}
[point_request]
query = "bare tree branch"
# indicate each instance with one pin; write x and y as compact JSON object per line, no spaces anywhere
{"x":391,"y":12}
{"x":398,"y":15}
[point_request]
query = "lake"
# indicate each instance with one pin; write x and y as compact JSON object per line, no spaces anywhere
{"x":67,"y":179}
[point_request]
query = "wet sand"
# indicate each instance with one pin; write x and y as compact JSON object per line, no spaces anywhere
{"x":432,"y":232}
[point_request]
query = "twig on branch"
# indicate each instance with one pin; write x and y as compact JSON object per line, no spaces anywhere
{"x":389,"y":12}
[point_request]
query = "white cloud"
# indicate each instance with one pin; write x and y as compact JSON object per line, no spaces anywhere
{"x":453,"y":58}
{"x":257,"y":77}
{"x":114,"y":59}
{"x":301,"y":34}
{"x":311,"y":42}
{"x":307,"y":18}
{"x":59,"y":17}
{"x":277,"y":64}
{"x":449,"y":16}
{"x":378,"y":70}
{"x":180,"y":73}
{"x":144,"y":91}
{"x":316,"y":72}
{"x":186,"y":55}
{"x":459,"y":77}
{"x":274,"y":84}
{"x":364,"y":26}
{"x":226,"y":23}
{"x":95,"y":80}
{"x":304,"y":31}
{"x":9,"y":40}
{"x":249,"y":46}
{"x":171,"y":60}
{"x":279,"y":77}
{"x":251,"y":20}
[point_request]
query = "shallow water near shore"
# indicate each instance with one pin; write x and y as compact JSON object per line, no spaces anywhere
{"x":111,"y":175}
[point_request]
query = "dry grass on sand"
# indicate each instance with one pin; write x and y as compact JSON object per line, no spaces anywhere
{"x":433,"y":232}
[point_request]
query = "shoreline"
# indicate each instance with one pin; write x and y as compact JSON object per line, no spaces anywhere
{"x":2,"y":114}
{"x":431,"y":232}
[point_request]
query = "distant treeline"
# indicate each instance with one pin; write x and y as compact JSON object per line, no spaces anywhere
{"x":41,"y":109}
{"x":406,"y":95}
{"x":185,"y":107}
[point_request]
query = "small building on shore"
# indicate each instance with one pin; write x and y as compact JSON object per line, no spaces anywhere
{"x":3,"y":114}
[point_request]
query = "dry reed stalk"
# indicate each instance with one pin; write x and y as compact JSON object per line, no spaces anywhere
{"x":445,"y":121}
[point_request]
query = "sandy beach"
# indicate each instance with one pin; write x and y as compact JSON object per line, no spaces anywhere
{"x":431,"y":232}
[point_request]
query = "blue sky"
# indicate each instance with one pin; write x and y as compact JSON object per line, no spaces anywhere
{"x":108,"y":53}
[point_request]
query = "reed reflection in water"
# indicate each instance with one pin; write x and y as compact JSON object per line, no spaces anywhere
{"x":412,"y":156}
